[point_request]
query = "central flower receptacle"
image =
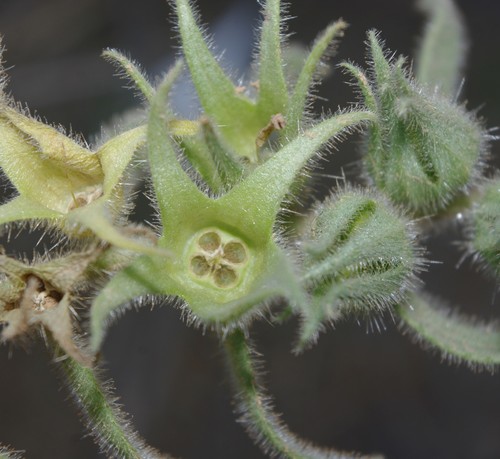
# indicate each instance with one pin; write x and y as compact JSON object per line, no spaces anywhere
{"x":217,"y":257}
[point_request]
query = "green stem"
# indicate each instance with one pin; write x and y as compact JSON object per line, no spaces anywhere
{"x":457,"y":337}
{"x":105,"y":420}
{"x":262,"y":424}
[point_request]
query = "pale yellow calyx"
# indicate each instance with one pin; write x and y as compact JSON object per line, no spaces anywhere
{"x":44,"y":165}
{"x":51,"y":144}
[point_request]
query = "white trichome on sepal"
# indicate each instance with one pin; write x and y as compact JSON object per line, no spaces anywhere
{"x":360,"y":256}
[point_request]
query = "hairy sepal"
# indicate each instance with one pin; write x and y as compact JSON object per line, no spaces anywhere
{"x":42,"y":163}
{"x":21,"y":208}
{"x":61,"y":182}
{"x":441,"y":55}
{"x":130,"y":70}
{"x":272,"y":276}
{"x":299,"y":97}
{"x":236,"y":115}
{"x":215,"y":162}
{"x":262,"y":196}
{"x":273,"y":91}
{"x":41,"y":294}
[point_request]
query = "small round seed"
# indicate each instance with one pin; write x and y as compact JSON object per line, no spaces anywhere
{"x":224,"y":277}
{"x":210,"y":241}
{"x":234,"y":252}
{"x":200,"y":266}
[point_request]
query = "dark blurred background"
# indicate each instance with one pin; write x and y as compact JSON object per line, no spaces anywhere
{"x":359,"y":390}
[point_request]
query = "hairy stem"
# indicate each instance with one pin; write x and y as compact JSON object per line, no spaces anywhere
{"x":262,"y":424}
{"x":457,"y":337}
{"x":104,"y":419}
{"x":9,"y":453}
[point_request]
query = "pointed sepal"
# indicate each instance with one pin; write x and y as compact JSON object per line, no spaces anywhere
{"x":130,"y":70}
{"x":297,"y":107}
{"x":273,"y":91}
{"x":261,"y":195}
{"x":441,"y":55}
{"x":134,"y":281}
{"x":216,"y":163}
{"x":21,"y":208}
{"x":235,"y":114}
{"x":45,"y":165}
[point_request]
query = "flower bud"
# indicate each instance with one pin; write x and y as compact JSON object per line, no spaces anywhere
{"x":486,"y":227}
{"x":423,"y":150}
{"x":359,"y":255}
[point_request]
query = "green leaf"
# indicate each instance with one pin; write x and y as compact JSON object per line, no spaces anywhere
{"x":441,"y":55}
{"x":298,"y":100}
{"x":273,"y":94}
{"x":130,"y":70}
{"x":459,"y":339}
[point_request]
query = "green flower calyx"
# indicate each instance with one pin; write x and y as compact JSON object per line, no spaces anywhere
{"x":224,"y":260}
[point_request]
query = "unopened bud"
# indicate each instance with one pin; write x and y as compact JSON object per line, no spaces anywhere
{"x":359,"y":255}
{"x":486,"y":226}
{"x":423,"y":150}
